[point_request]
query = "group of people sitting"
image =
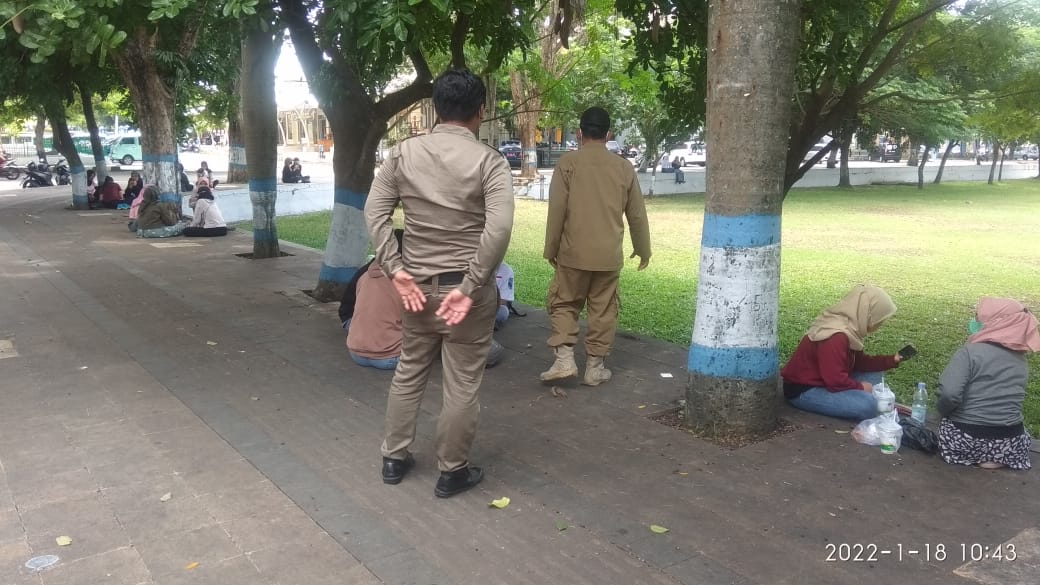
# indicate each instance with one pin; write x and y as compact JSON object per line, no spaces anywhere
{"x":292,"y":172}
{"x":371,"y":313}
{"x":150,"y":217}
{"x":109,"y":194}
{"x":980,"y":393}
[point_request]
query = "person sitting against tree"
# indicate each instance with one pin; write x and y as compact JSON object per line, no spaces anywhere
{"x":133,"y":188}
{"x":185,"y":182}
{"x":982,"y":389}
{"x":156,"y":219}
{"x":111,"y":193}
{"x":92,"y":192}
{"x":829,"y":373}
{"x":207,"y":222}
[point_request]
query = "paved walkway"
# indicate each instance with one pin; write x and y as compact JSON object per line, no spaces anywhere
{"x":188,"y":416}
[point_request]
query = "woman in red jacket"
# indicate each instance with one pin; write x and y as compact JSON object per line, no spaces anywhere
{"x":829,"y":374}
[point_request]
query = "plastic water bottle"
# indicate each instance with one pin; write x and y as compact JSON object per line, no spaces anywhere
{"x":919,"y":409}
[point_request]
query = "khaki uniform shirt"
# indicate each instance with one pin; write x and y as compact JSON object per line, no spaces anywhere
{"x":591,"y":189}
{"x":457,"y":195}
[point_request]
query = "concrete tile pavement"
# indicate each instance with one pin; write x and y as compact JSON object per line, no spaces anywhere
{"x":211,"y":378}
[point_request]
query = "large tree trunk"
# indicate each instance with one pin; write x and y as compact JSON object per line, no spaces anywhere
{"x":733,"y":363}
{"x":260,"y":50}
{"x":527,"y":102}
{"x":1000,"y":173}
{"x":920,"y":168}
{"x":153,"y":97}
{"x":942,"y":163}
{"x":41,"y":126}
{"x":354,"y":164}
{"x":100,"y":165}
{"x":237,"y":161}
{"x":64,"y":144}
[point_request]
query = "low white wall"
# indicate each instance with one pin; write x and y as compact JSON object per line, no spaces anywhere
{"x":664,"y":183}
{"x":292,"y":200}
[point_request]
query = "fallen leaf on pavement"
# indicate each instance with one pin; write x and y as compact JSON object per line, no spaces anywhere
{"x":558,"y":392}
{"x":684,"y":473}
{"x":166,"y":497}
{"x":63,"y":540}
{"x":658,"y":529}
{"x":561,"y":524}
{"x":842,"y":432}
{"x":192,"y":565}
{"x":211,"y":343}
{"x":641,"y":406}
{"x":499,"y":503}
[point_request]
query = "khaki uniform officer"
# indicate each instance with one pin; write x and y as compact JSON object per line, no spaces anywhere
{"x":591,"y":190}
{"x":457,"y":195}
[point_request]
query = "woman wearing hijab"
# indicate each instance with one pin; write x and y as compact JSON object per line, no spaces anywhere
{"x":207,"y":222}
{"x":829,"y":373}
{"x":982,"y":389}
{"x":156,"y":219}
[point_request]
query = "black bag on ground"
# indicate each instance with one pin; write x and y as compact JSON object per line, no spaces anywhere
{"x":917,"y":436}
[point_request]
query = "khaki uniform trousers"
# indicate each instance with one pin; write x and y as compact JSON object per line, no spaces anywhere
{"x":570,"y":291}
{"x":463,"y":349}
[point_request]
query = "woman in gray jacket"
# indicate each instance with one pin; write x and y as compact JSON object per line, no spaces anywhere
{"x":983,"y":387}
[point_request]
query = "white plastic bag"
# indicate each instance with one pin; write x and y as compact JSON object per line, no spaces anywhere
{"x":868,"y":432}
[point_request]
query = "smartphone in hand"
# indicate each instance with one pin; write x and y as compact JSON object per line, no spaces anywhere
{"x":907,"y":352}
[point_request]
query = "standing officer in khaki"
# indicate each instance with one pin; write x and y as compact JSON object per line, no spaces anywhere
{"x":590,"y":191}
{"x":457,"y":195}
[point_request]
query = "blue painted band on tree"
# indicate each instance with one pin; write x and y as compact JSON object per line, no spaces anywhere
{"x":748,"y":363}
{"x":170,"y":198}
{"x":158,"y":158}
{"x":263,"y":184}
{"x":264,"y":235}
{"x":741,"y":231}
{"x":77,"y":169}
{"x":350,"y":198}
{"x":337,"y":273}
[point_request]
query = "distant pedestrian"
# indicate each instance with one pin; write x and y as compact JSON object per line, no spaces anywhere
{"x":321,"y":150}
{"x":591,"y":193}
{"x":457,"y":196}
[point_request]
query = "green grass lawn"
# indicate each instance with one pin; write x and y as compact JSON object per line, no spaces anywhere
{"x":935,"y":251}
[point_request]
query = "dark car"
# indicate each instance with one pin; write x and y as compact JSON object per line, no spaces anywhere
{"x":890,"y":153}
{"x":514,"y":155}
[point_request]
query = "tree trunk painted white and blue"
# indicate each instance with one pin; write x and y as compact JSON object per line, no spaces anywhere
{"x":260,"y":48}
{"x":63,"y":143}
{"x":733,"y":385}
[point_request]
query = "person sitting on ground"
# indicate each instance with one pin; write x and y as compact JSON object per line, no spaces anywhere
{"x":829,"y":373}
{"x":92,"y":192}
{"x":185,"y":182}
{"x":133,"y":188}
{"x":156,"y":219}
{"x":207,"y":222}
{"x":297,"y":169}
{"x":371,"y":313}
{"x":289,"y":174}
{"x":111,"y":193}
{"x":982,"y":389}
{"x":375,"y":333}
{"x":135,"y":209}
{"x":204,"y":171}
{"x":504,"y":281}
{"x":199,"y":184}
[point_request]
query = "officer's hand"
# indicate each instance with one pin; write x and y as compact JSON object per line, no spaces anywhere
{"x":552,"y":262}
{"x":454,"y":307}
{"x":643,"y":262}
{"x":411,"y":296}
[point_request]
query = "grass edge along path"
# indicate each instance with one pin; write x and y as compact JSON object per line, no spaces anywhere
{"x":935,"y":251}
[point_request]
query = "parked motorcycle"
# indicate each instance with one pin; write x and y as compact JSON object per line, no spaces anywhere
{"x":9,"y":169}
{"x":38,"y":175}
{"x":62,"y":175}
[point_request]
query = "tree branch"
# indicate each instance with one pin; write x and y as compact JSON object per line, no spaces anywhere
{"x":459,"y":33}
{"x":421,"y":87}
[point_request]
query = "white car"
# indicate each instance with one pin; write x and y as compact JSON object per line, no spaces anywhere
{"x":689,"y":153}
